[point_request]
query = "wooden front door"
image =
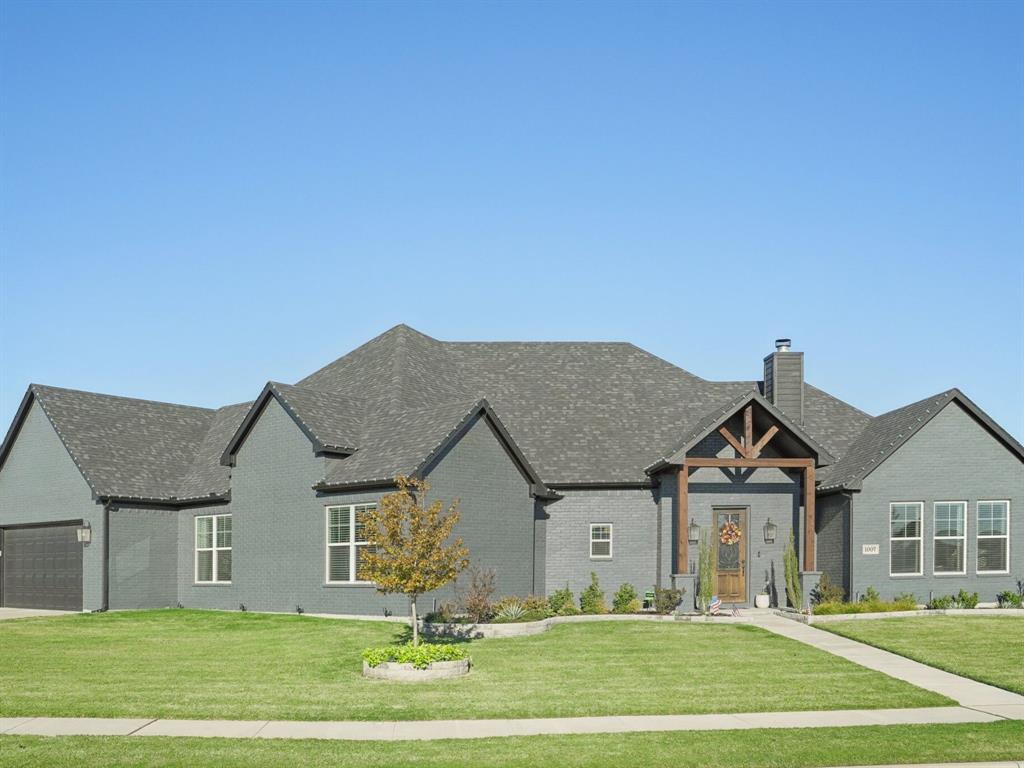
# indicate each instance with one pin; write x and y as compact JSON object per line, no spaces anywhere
{"x":731,"y":558}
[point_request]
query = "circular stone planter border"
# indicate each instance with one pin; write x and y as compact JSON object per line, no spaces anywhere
{"x":407,"y":673}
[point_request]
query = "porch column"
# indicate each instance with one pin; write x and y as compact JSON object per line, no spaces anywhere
{"x":682,"y":519}
{"x":809,"y":518}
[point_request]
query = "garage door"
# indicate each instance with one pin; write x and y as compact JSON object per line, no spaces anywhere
{"x":42,"y":567}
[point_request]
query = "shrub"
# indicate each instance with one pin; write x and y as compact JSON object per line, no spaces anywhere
{"x":562,"y":602}
{"x":870,"y":595}
{"x":667,"y":600}
{"x":964,"y":599}
{"x":941,"y":603}
{"x":626,"y":600}
{"x":538,"y":605}
{"x":592,"y":597}
{"x":475,"y":598}
{"x":509,"y":609}
{"x":420,"y":656}
{"x":1010,"y":599}
{"x":827,"y":592}
{"x":901,"y":603}
{"x":791,"y":569}
{"x":446,"y":613}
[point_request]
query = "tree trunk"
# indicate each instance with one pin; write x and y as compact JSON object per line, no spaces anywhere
{"x":415,"y":622}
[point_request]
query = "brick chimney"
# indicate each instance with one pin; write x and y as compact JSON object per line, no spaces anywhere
{"x":784,"y":380}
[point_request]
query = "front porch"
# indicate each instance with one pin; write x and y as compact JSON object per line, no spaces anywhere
{"x":746,"y":481}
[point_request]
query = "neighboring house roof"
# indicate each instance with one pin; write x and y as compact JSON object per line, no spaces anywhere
{"x":572,"y":413}
{"x":884,"y":435}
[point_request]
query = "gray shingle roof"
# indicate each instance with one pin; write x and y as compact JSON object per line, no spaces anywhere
{"x":125,"y":447}
{"x":579,"y":412}
{"x":399,"y":442}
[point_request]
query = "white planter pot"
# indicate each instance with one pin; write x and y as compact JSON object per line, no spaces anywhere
{"x":762,"y":601}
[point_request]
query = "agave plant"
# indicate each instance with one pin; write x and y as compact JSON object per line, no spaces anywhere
{"x":511,"y":609}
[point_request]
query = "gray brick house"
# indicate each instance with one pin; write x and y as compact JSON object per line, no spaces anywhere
{"x":568,"y":458}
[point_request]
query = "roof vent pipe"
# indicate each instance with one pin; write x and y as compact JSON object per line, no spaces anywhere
{"x":783,"y":345}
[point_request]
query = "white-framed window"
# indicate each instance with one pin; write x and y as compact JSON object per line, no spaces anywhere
{"x":949,"y":540}
{"x":993,"y":537}
{"x":346,"y":543}
{"x":213,"y":549}
{"x":601,"y":541}
{"x":906,"y":546}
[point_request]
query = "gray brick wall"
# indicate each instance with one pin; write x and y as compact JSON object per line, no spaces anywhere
{"x":832,"y":518}
{"x":40,"y":483}
{"x":633,"y":515}
{"x":143,"y":558}
{"x":952,"y":458}
{"x":279,"y":523}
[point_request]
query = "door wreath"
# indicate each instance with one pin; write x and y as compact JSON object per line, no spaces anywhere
{"x":730,"y":533}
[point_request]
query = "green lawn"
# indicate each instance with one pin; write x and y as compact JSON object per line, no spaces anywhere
{"x":789,"y":748}
{"x":985,"y":648}
{"x":205,"y":664}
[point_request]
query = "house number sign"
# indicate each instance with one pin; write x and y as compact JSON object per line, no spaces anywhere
{"x":869,"y":549}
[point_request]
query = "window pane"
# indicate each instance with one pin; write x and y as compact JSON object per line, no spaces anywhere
{"x":361,"y":521}
{"x":601,"y":533}
{"x":992,"y":554}
{"x":224,"y":565}
{"x":905,"y":521}
{"x":204,"y":566}
{"x":949,"y":519}
{"x":992,"y":518}
{"x":949,"y":555}
{"x":905,"y":557}
{"x":600,"y":548}
{"x":204,"y":532}
{"x":224,"y":531}
{"x":339,"y":528}
{"x":360,"y":551}
{"x":339,"y":563}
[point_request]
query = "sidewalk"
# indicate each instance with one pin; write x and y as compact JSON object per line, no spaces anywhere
{"x":967,"y":693}
{"x":478,"y":729}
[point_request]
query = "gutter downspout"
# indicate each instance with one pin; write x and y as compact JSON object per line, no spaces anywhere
{"x":106,"y":556}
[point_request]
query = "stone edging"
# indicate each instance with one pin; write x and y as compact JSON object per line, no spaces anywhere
{"x":832,"y":617}
{"x":437,"y":670}
{"x":526,"y":628}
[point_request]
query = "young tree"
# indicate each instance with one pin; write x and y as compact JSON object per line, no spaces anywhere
{"x":409,"y":552}
{"x":791,"y":569}
{"x":706,"y":571}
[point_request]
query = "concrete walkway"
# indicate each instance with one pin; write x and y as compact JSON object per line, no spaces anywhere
{"x":967,"y":693}
{"x":477,"y":729}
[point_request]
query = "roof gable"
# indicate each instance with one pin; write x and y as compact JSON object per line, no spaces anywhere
{"x":884,"y":436}
{"x":331,"y":421}
{"x":721,"y":414}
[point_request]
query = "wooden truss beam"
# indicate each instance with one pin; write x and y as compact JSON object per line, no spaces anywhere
{"x":748,"y":429}
{"x":693,"y":461}
{"x":731,"y":440}
{"x":760,"y":444}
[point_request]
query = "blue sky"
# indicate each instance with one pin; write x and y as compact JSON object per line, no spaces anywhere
{"x":196,"y":198}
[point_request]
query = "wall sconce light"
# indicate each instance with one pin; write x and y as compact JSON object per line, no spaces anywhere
{"x":84,"y":533}
{"x":770,"y":531}
{"x":693,"y":532}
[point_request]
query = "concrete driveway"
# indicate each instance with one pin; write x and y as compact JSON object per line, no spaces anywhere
{"x":24,"y":613}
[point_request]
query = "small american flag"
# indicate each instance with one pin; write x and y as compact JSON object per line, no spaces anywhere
{"x":715,"y":605}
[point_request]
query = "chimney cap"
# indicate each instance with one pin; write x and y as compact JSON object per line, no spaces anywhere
{"x":783,"y":345}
